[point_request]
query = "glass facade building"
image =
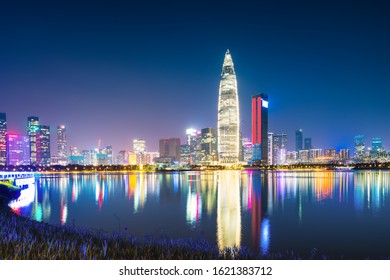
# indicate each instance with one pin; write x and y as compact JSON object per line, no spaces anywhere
{"x":228,"y":114}
{"x":308,"y":145}
{"x":32,"y":129}
{"x":169,"y":150}
{"x":18,"y":149}
{"x":62,"y":146}
{"x":42,"y":145}
{"x":208,"y":144}
{"x":3,"y":133}
{"x":298,"y":140}
{"x":359,"y":146}
{"x":260,"y":128}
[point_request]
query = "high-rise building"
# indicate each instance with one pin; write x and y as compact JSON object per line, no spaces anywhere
{"x":62,"y":146}
{"x":303,"y":155}
{"x":122,"y":158}
{"x":3,"y":133}
{"x":308,"y":145}
{"x":315,"y":154}
{"x":42,"y":145}
{"x":298,"y":140}
{"x":32,"y":129}
{"x":208,"y":144}
{"x":248,"y":149}
{"x":88,"y":156}
{"x":18,"y":149}
{"x":260,"y":128}
{"x":377,"y":145}
{"x":280,"y":148}
{"x":270,"y":148}
{"x":330,"y":154}
{"x":139,"y":146}
{"x":344,"y":154}
{"x":359,"y":146}
{"x":151,"y":156}
{"x":193,"y":141}
{"x":228,"y":114}
{"x":185,"y":154}
{"x":169,"y":150}
{"x":132,"y":158}
{"x":110,"y":155}
{"x":292,"y":157}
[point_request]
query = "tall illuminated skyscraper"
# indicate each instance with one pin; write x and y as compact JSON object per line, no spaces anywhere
{"x":18,"y":149}
{"x":359,"y":146}
{"x":3,"y":133}
{"x":228,"y":114}
{"x":260,"y":128}
{"x":32,"y":128}
{"x":43,"y":145}
{"x":298,"y":140}
{"x":62,"y":145}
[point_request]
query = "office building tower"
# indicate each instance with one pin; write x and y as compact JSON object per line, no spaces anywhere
{"x":184,"y":154}
{"x":292,"y":157}
{"x":3,"y":144}
{"x":247,"y":150}
{"x":377,"y":145}
{"x":193,"y":141}
{"x":139,"y":146}
{"x":122,"y":158}
{"x":330,"y":154}
{"x":315,"y":154}
{"x":308,"y":145}
{"x":270,"y":148}
{"x":18,"y":149}
{"x":298,"y":140}
{"x":208,"y":146}
{"x":42,"y":145}
{"x":344,"y":154}
{"x":62,"y":146}
{"x":303,"y":156}
{"x":169,"y":150}
{"x":359,"y":146}
{"x":279,"y":148}
{"x":260,"y":128}
{"x":75,"y":157}
{"x":110,"y":155}
{"x":228,"y":114}
{"x":151,"y":156}
{"x":32,"y":129}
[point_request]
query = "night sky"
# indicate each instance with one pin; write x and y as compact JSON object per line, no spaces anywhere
{"x":119,"y":70}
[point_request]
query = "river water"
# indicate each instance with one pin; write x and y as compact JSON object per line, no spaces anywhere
{"x":334,"y":213}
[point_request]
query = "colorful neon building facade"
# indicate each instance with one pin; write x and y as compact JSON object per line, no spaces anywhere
{"x":3,"y":132}
{"x":18,"y":149}
{"x":260,"y":128}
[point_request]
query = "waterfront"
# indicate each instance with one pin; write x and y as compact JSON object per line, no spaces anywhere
{"x":333,"y":213}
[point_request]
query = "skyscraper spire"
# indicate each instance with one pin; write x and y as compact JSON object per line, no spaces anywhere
{"x":228,"y":114}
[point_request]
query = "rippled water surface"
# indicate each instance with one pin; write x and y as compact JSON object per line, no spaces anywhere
{"x":338,"y":213}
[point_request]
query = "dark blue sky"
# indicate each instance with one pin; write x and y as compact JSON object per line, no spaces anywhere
{"x":118,"y":70}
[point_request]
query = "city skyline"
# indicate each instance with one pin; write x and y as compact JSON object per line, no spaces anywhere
{"x":327,"y":60}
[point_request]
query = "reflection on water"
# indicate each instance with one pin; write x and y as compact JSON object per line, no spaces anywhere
{"x":229,"y":210}
{"x":266,"y":211}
